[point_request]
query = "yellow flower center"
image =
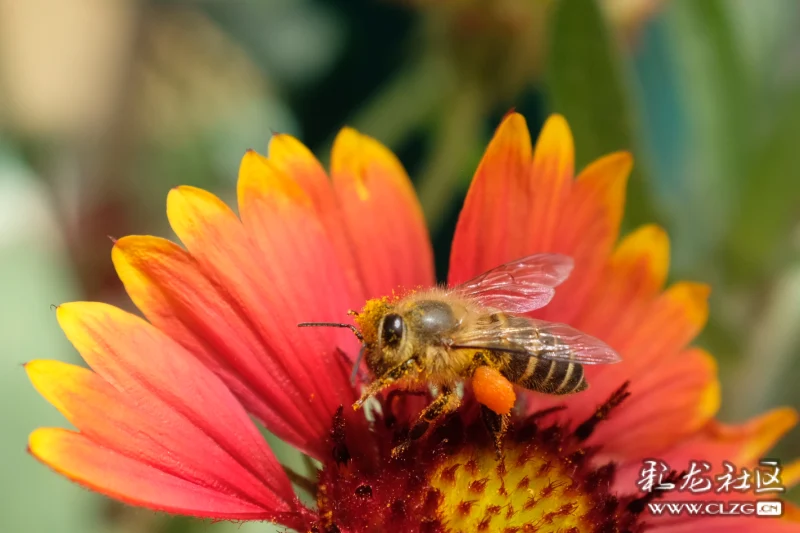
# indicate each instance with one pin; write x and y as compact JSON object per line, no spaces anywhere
{"x":528,"y":488}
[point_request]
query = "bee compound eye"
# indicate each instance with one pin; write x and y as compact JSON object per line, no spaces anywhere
{"x":392,"y":330}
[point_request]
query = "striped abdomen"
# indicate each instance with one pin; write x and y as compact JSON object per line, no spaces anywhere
{"x":535,"y":373}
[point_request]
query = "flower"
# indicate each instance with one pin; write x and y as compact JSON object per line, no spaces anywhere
{"x":161,"y":415}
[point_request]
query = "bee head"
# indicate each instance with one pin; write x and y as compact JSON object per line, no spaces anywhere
{"x":370,"y":319}
{"x":384,"y":333}
{"x":388,"y":349}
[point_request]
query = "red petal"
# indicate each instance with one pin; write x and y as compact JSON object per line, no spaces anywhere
{"x":587,"y":229}
{"x":791,"y":474}
{"x":633,"y":277}
{"x":154,"y":403}
{"x":669,"y":324}
{"x":646,"y":337}
{"x":741,"y":444}
{"x":743,"y":524}
{"x":672,"y":401}
{"x":168,"y":286}
{"x":520,"y":204}
{"x":104,"y":470}
{"x":497,"y":203}
{"x":302,"y":276}
{"x":269,"y":270}
{"x":381,"y":214}
{"x":291,"y":157}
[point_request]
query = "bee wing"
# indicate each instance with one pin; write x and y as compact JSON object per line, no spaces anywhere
{"x":538,"y":338}
{"x":519,"y":286}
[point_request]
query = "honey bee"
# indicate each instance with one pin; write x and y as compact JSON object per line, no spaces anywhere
{"x":443,"y":336}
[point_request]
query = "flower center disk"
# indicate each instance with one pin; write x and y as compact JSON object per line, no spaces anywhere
{"x":453,"y":482}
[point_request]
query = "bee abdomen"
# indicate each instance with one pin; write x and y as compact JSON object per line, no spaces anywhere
{"x":534,"y":373}
{"x":553,"y":377}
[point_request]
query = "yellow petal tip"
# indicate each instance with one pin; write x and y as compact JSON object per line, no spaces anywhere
{"x":181,"y":189}
{"x":357,"y":160}
{"x":513,"y":119}
{"x":31,"y":366}
{"x":624,"y":162}
{"x":695,"y":298}
{"x":649,"y":246}
{"x":346,"y":146}
{"x":35,"y":437}
{"x":66,"y":311}
{"x":711,"y":396}
{"x":42,"y":443}
{"x":260,"y":179}
{"x":282,"y":144}
{"x":557,"y":127}
{"x":69,"y":310}
{"x":768,"y":428}
{"x":791,"y":474}
{"x":514,"y":122}
{"x":555,"y":143}
{"x":556,"y":120}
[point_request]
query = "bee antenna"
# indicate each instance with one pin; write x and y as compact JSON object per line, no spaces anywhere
{"x":357,"y":364}
{"x":351,"y":327}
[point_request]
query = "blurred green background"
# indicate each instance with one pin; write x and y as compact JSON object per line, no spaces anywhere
{"x":107,"y":104}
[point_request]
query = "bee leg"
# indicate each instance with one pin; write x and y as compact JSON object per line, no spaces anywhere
{"x":372,"y":389}
{"x":446,"y":402}
{"x":497,"y":425}
{"x":392,"y":375}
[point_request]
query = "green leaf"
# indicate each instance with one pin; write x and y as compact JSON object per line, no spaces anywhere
{"x":585,"y":83}
{"x":759,"y":235}
{"x":716,"y":99}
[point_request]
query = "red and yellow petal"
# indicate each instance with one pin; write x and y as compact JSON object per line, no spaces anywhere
{"x":523,"y":202}
{"x":682,"y":395}
{"x":369,"y":209}
{"x":739,"y":524}
{"x":791,"y":474}
{"x":670,"y":322}
{"x":633,"y":276}
{"x":498,"y":199}
{"x":548,"y":184}
{"x":290,"y":246}
{"x":649,"y":329}
{"x":745,"y":443}
{"x":120,"y":477}
{"x":259,"y":278}
{"x":741,"y":444}
{"x":286,"y":261}
{"x":647,"y":336}
{"x":381,"y":215}
{"x":169,"y":287}
{"x":587,"y":229}
{"x":291,"y":157}
{"x":156,"y":427}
